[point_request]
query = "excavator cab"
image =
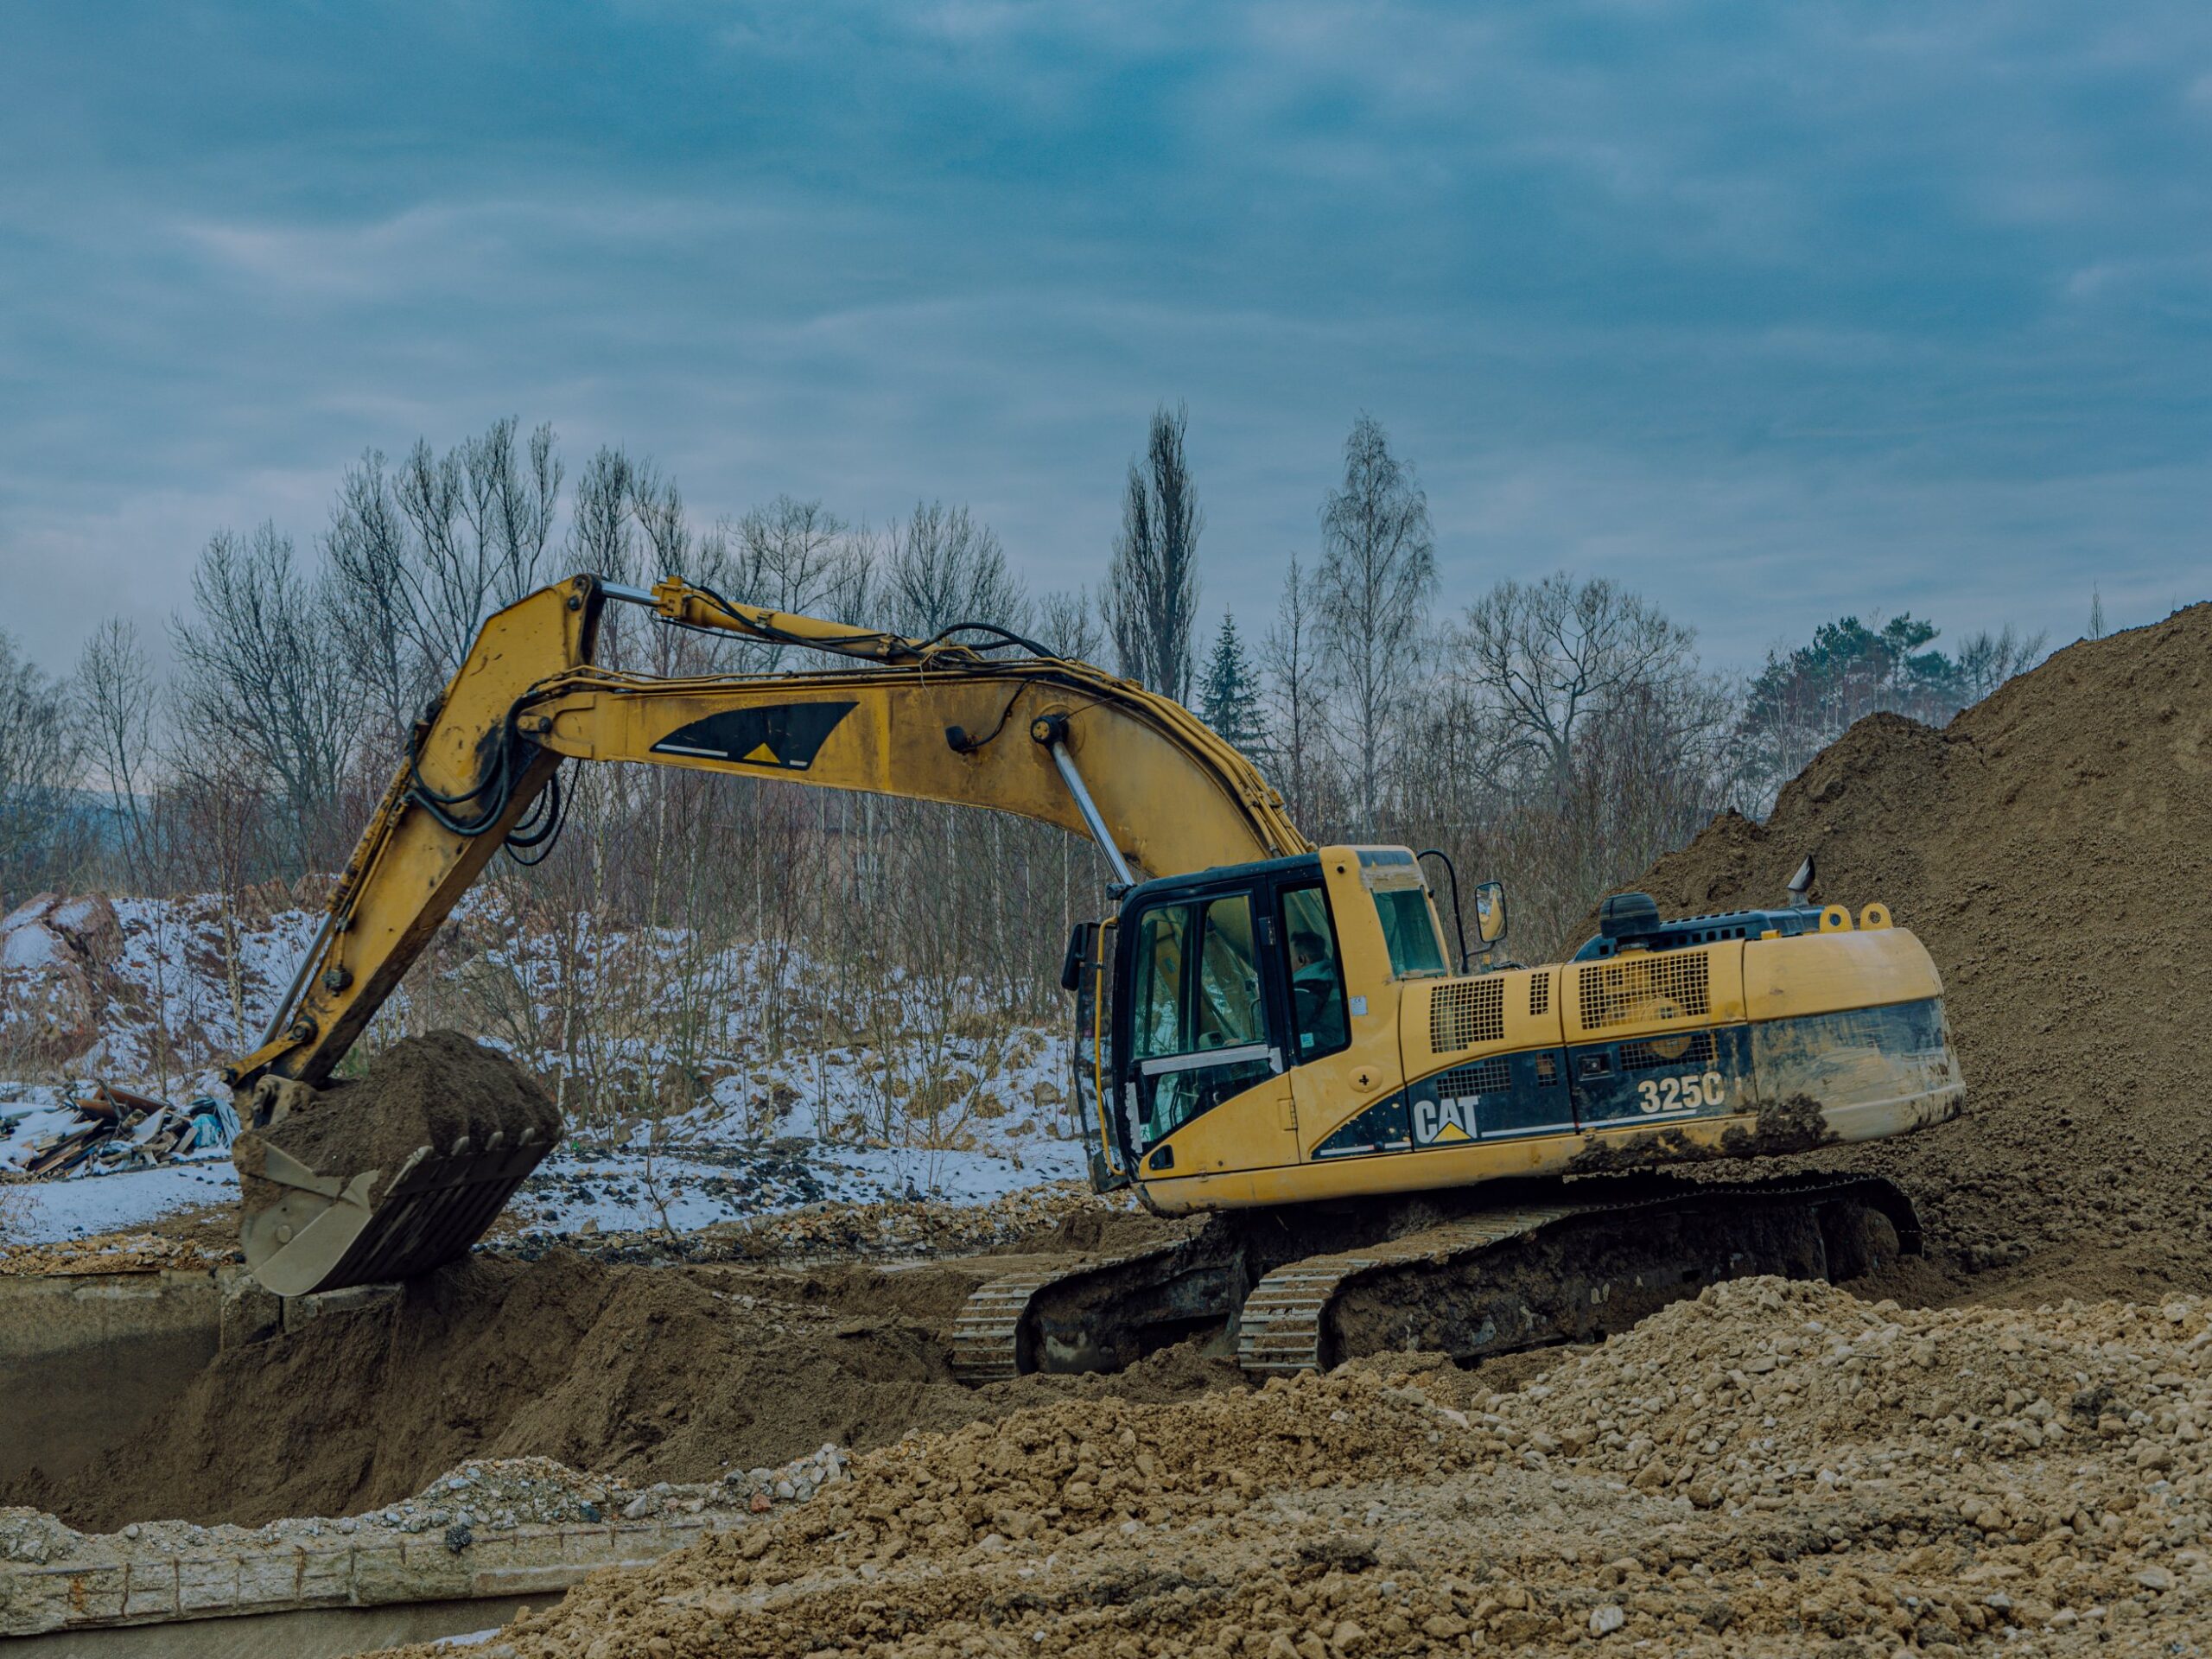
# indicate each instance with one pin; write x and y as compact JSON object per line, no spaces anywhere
{"x":1210,"y":991}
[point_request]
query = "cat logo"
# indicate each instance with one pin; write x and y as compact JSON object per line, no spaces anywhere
{"x":1443,"y":1122}
{"x":787,"y":735}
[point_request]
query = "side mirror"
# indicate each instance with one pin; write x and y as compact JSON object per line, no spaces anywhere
{"x":1077,"y":958}
{"x":1490,"y":913}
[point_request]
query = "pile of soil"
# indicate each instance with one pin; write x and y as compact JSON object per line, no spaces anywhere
{"x":1773,"y":1468}
{"x":638,"y":1374}
{"x":432,"y":1091}
{"x":2051,"y":847}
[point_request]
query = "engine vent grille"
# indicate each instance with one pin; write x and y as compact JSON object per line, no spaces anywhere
{"x":1470,"y":1012}
{"x":1540,"y":994}
{"x":1693,"y":1049}
{"x":1644,"y":986}
{"x":1483,"y":1077}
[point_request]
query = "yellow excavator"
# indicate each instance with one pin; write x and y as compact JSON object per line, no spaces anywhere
{"x":1397,"y":1142}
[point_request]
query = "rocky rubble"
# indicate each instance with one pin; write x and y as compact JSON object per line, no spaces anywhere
{"x":122,"y":1252}
{"x":1774,"y":1468}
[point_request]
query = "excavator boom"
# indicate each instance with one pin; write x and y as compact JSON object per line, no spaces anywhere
{"x":1037,"y":736}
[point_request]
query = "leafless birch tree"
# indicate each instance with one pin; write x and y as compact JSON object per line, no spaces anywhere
{"x":1372,"y":592}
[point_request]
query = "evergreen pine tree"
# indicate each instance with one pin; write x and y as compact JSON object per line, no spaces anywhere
{"x":1229,"y":692}
{"x":2096,"y":614}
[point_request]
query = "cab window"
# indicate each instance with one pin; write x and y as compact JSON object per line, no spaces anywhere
{"x":1162,"y":1012}
{"x":1197,"y":979}
{"x":1319,"y":1025}
{"x":1230,"y":1010}
{"x":1409,"y":931}
{"x":1196,"y":991}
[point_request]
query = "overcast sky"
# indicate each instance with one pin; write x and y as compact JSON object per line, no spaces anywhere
{"x":1772,"y":312}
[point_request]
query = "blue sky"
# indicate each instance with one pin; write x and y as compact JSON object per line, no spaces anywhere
{"x":1771,"y":312}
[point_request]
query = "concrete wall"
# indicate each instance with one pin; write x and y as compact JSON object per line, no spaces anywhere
{"x":110,"y":1584}
{"x":324,"y":1633}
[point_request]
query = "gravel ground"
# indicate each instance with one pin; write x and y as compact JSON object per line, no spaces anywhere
{"x":1774,"y":1468}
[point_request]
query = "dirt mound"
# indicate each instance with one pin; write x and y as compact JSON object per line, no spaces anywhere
{"x":2050,"y":848}
{"x":1101,"y":1229}
{"x":1773,"y":1468}
{"x":645,"y":1373}
{"x":432,"y":1091}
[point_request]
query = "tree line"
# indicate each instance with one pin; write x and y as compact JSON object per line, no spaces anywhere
{"x":1559,"y":732}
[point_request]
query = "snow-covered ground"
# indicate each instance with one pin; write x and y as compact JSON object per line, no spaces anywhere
{"x":621,"y":1191}
{"x":963,"y":1109}
{"x":616,"y":1190}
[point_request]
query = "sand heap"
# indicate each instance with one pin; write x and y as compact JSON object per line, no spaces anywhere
{"x":1772,"y":1468}
{"x":433,"y":1090}
{"x":2053,"y":849}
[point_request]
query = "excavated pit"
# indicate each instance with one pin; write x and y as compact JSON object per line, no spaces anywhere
{"x":2048,"y":847}
{"x":642,"y":1373}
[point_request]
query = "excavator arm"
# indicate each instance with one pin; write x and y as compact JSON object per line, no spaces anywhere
{"x":1034,"y":735}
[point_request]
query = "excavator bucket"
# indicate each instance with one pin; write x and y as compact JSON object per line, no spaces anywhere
{"x":304,"y":1233}
{"x":390,"y":1174}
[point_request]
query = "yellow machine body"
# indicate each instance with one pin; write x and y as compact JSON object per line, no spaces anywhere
{"x":1738,"y":1047}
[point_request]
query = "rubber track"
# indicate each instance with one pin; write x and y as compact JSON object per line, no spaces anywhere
{"x":1278,"y":1330}
{"x":986,"y":1336}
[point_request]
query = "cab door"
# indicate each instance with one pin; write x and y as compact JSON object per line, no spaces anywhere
{"x":1206,"y":1066}
{"x":1089,"y":951}
{"x":1317,"y":1010}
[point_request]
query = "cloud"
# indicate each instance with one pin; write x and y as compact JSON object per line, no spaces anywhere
{"x":1768,"y":311}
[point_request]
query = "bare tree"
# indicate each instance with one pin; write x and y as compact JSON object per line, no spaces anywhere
{"x":419,"y":555}
{"x":1068,"y":626}
{"x":38,"y":756}
{"x":1552,"y":654}
{"x":1152,"y":584}
{"x":116,"y":699}
{"x":1986,"y":660}
{"x":666,"y":543}
{"x":371,"y":572}
{"x":602,"y":529}
{"x":482,"y":515}
{"x":1372,"y":593}
{"x":1296,"y":694}
{"x":796,"y":556}
{"x":944,"y":567}
{"x":801,"y":558}
{"x":259,"y":678}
